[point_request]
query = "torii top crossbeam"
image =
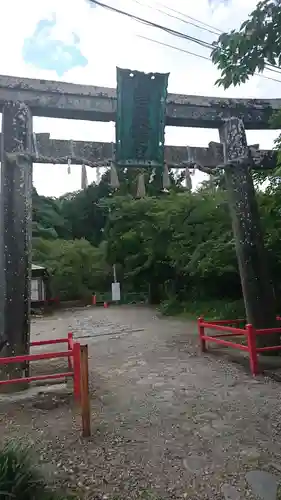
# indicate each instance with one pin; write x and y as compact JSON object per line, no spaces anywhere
{"x":84,"y":102}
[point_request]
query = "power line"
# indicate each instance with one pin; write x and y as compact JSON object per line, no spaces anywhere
{"x":173,"y":32}
{"x":170,"y":31}
{"x":176,"y":48}
{"x":216,"y":32}
{"x":268,"y":66}
{"x":175,"y":17}
{"x":196,"y":55}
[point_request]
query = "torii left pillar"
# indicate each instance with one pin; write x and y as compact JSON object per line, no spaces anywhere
{"x":15,"y":235}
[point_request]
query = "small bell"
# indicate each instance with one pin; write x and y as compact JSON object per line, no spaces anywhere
{"x":69,"y":166}
{"x":188,"y":181}
{"x":141,"y":186}
{"x":84,"y":180}
{"x":114,"y":181}
{"x":166,"y":177}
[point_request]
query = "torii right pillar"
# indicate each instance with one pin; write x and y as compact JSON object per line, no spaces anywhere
{"x":256,"y":284}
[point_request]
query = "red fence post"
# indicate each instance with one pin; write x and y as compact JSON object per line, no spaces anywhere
{"x":76,"y":371}
{"x":70,"y":348}
{"x":252,"y":349}
{"x":201,"y":331}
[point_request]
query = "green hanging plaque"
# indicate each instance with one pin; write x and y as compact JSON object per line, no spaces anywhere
{"x":140,"y":121}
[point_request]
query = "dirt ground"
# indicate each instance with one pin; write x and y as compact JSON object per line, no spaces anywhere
{"x":167,"y":422}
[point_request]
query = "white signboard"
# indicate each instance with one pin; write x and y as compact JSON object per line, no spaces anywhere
{"x":115,"y":291}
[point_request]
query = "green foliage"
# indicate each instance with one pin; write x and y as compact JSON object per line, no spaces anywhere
{"x":177,"y":245}
{"x":171,"y":307}
{"x":215,"y":309}
{"x":211,"y":309}
{"x":240,"y":53}
{"x":19,"y":478}
{"x":77,"y":268}
{"x":47,"y":217}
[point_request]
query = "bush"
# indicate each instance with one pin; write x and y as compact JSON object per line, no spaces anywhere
{"x":171,"y":307}
{"x":210,"y":309}
{"x":215,"y":309}
{"x":19,"y":478}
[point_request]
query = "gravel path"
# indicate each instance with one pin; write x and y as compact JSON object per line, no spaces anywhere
{"x":166,"y":421}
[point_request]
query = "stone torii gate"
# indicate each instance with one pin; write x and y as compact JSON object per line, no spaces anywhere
{"x":61,"y":100}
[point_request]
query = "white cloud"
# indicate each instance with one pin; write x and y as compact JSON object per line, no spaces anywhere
{"x":108,"y":40}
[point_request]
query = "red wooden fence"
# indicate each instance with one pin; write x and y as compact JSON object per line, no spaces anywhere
{"x":72,"y":354}
{"x":230,"y":328}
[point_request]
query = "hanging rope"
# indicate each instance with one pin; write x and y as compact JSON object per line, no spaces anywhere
{"x":84,"y":179}
{"x":114,"y":181}
{"x":166,"y":177}
{"x":188,"y":181}
{"x":141,"y":186}
{"x":71,"y":148}
{"x":152,"y":176}
{"x":72,"y":155}
{"x":69,"y":166}
{"x":35,"y":145}
{"x":98,"y":175}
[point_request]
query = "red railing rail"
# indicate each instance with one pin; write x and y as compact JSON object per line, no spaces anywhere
{"x":72,"y":354}
{"x":249,"y":332}
{"x":227,"y":321}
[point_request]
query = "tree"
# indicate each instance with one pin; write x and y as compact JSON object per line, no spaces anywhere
{"x":257,"y":43}
{"x":179,"y":244}
{"x":77,"y":269}
{"x":48,"y":220}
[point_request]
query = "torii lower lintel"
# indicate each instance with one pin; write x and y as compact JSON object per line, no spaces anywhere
{"x":208,"y":159}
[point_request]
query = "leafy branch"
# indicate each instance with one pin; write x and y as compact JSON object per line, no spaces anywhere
{"x":239,"y":54}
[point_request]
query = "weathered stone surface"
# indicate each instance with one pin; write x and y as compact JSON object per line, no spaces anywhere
{"x":251,"y":255}
{"x":15,"y":229}
{"x":230,"y":493}
{"x":85,"y":102}
{"x":263,"y":484}
{"x":195,"y":464}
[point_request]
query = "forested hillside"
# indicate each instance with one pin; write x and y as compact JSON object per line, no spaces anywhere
{"x":176,"y":245}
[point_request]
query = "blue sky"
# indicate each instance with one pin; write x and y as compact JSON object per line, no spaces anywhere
{"x":71,"y":41}
{"x":45,"y":52}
